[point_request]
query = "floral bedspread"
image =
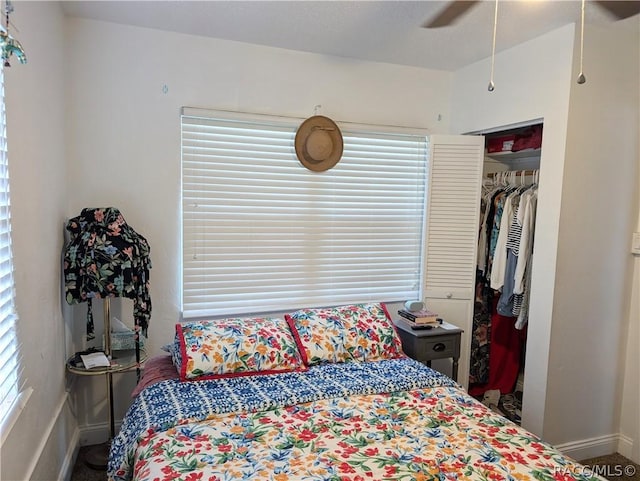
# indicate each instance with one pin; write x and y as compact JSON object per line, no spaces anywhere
{"x":430,"y":429}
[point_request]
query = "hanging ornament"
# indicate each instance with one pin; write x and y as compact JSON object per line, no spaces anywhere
{"x":581,"y":78}
{"x":492,"y":86}
{"x":9,"y":45}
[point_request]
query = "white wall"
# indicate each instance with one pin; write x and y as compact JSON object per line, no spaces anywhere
{"x":629,"y":443}
{"x":125,"y":149}
{"x":598,"y":215}
{"x":532,"y":82}
{"x":587,"y":207}
{"x":42,"y":439}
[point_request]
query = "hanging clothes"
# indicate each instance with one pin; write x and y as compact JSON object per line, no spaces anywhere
{"x":105,"y":257}
{"x":481,"y":334}
{"x":504,"y":358}
{"x":505,"y":247}
{"x":499,"y":263}
{"x":505,"y":244}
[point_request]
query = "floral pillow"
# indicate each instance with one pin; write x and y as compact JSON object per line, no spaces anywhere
{"x":235,"y":347}
{"x":357,"y":332}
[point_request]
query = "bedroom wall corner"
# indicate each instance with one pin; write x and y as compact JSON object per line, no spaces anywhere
{"x":565,"y":311}
{"x":594,"y":279}
{"x":629,"y":443}
{"x":41,"y":443}
{"x":532,"y":82}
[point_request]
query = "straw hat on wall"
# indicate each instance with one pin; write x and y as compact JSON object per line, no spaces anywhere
{"x":319,"y":143}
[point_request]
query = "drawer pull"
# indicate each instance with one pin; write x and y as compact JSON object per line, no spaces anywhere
{"x":439,"y":347}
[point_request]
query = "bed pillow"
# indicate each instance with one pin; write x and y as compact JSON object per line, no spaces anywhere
{"x":156,"y":369}
{"x":357,"y":332}
{"x":235,"y":347}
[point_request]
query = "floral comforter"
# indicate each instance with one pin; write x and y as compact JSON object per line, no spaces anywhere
{"x":387,"y":420}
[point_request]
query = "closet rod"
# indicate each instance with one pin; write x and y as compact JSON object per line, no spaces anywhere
{"x":518,"y":172}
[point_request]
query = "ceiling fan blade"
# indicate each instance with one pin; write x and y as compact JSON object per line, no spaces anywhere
{"x":620,"y":9}
{"x":451,"y":13}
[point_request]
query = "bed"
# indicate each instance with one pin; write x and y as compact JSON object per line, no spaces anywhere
{"x":321,"y":404}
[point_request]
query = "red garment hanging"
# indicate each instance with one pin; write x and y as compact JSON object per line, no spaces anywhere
{"x":504,"y":355}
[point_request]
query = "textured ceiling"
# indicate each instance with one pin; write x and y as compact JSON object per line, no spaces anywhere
{"x":382,"y":31}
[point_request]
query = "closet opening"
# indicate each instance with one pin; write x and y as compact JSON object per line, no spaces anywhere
{"x":503,"y":273}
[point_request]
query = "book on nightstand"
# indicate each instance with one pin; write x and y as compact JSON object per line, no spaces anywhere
{"x":419,"y":317}
{"x":402,"y":322}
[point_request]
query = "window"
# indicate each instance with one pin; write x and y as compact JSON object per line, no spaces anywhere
{"x":260,"y":233}
{"x":9,"y":349}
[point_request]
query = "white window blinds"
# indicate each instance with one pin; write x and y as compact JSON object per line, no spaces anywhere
{"x":261,"y":233}
{"x":9,"y":349}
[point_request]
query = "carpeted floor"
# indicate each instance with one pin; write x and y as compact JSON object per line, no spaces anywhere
{"x":614,"y":467}
{"x":82,"y":472}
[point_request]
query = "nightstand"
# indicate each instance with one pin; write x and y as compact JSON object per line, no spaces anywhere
{"x":121,"y":361}
{"x":425,"y":345}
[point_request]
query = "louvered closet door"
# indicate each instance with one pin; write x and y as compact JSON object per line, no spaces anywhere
{"x":452,"y":232}
{"x":453,"y":203}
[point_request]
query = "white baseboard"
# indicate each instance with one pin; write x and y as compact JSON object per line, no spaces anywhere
{"x":70,"y":457}
{"x":55,"y":454}
{"x":91,"y":434}
{"x":625,"y":446}
{"x":39,"y":450}
{"x":591,"y":448}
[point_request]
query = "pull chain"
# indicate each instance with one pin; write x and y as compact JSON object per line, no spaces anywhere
{"x":581,"y":78}
{"x":8,"y":8}
{"x":492,"y":86}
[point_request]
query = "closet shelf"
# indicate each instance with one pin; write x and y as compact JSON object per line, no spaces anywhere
{"x":521,"y":154}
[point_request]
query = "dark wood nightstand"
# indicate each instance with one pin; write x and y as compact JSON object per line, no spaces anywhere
{"x":425,"y":345}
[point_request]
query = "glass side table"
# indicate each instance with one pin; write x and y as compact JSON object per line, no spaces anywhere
{"x":121,"y":361}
